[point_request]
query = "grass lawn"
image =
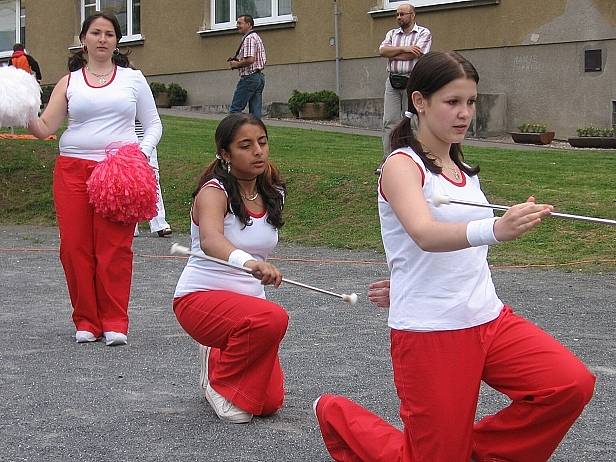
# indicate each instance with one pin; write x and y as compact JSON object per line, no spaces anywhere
{"x":331,"y":189}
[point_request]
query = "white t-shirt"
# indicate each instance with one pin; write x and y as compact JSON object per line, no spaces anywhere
{"x":258,"y":239}
{"x":438,"y":290}
{"x":102,"y":116}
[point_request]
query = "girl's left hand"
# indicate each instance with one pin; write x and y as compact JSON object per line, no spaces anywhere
{"x":267,"y":273}
{"x":520,"y":219}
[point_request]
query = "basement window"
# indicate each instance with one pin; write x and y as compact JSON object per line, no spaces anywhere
{"x":592,"y":61}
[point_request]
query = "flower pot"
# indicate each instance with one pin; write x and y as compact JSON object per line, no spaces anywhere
{"x":602,"y":142}
{"x":162,"y":99}
{"x":313,"y":111}
{"x":532,"y":138}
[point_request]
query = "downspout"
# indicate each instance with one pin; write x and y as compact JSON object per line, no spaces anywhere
{"x":337,"y":43}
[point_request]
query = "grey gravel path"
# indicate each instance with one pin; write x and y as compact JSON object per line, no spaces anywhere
{"x":141,"y":402}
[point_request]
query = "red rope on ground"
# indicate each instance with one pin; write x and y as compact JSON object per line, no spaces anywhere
{"x":331,"y":262}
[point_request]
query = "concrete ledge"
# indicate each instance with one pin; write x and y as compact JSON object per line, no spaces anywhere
{"x":364,"y":113}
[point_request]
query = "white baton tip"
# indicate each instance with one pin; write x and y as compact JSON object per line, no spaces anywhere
{"x":352,"y":299}
{"x":440,"y":199}
{"x":177,"y":249}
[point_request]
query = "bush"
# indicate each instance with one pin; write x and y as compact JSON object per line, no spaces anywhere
{"x":597,"y":132}
{"x":328,"y":98}
{"x":46,"y":93}
{"x":157,"y":88}
{"x":177,"y":95}
{"x":532,"y":128}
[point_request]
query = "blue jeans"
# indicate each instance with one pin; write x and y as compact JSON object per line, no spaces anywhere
{"x":249,"y":91}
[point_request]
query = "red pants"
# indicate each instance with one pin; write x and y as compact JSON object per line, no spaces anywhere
{"x":96,"y":253}
{"x":245,"y":333}
{"x":437,"y":376}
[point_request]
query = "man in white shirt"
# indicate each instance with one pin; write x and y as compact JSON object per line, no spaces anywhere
{"x":402,"y":47}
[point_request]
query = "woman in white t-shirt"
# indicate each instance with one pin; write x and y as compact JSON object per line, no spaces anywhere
{"x":449,"y":329}
{"x":236,"y":215}
{"x":102,"y":98}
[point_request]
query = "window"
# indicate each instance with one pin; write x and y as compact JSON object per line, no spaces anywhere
{"x":10,"y":26}
{"x":128,"y":13}
{"x":22,"y":25}
{"x":225,"y":12}
{"x":389,"y":4}
{"x":592,"y":61}
{"x":613,"y":114}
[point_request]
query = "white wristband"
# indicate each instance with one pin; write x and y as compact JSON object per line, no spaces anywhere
{"x":239,"y":257}
{"x":481,"y":232}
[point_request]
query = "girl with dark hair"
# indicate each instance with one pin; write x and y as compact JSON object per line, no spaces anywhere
{"x":236,"y":215}
{"x":78,"y":60}
{"x":449,"y":329}
{"x":102,"y":98}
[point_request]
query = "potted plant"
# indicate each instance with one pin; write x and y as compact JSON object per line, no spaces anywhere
{"x":177,"y":94}
{"x":593,"y":137}
{"x":314,"y":105}
{"x":532,"y":133}
{"x":160,"y":93}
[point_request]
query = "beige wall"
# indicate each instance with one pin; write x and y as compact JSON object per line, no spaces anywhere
{"x":49,"y":32}
{"x":529,"y":50}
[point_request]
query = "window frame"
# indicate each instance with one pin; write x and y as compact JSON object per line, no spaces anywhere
{"x":129,"y":37}
{"x":393,"y":4}
{"x":9,"y":53}
{"x":275,"y":18}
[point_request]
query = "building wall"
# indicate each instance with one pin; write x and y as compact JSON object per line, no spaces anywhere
{"x":531,"y":52}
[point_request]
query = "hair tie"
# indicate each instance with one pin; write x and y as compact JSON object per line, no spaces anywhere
{"x":408,"y":114}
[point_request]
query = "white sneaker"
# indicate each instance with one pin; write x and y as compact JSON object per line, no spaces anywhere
{"x":85,"y":336}
{"x":115,"y":338}
{"x":224,"y":409}
{"x":204,"y":354}
{"x":314,"y":406}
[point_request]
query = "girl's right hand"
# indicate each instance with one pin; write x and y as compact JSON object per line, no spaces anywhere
{"x":520,"y":219}
{"x":267,"y":273}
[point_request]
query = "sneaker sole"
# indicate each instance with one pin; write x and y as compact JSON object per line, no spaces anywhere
{"x":204,"y":354}
{"x":234,"y":420}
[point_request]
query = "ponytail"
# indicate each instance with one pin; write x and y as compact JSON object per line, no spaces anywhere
{"x":120,"y":59}
{"x":76,"y":61}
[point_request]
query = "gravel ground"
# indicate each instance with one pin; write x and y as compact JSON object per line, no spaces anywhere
{"x":141,"y":402}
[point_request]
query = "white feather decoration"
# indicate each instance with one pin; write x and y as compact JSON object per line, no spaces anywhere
{"x":20,"y":97}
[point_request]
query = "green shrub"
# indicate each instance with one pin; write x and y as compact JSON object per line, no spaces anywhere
{"x":532,"y":128}
{"x":46,"y":93}
{"x":328,"y":98}
{"x":177,"y":94}
{"x":157,"y":88}
{"x":598,"y":132}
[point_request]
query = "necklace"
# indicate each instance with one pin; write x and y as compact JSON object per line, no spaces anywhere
{"x":101,"y":77}
{"x":250,"y":198}
{"x":455,"y":172}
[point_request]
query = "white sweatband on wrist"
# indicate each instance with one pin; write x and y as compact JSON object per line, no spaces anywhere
{"x":481,"y":232}
{"x":239,"y":257}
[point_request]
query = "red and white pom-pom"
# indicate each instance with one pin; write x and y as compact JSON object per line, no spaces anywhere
{"x":122,"y":187}
{"x":20,"y":97}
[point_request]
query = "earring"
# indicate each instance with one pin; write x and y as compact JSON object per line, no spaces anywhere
{"x":84,"y":48}
{"x":229,"y":168}
{"x":116,"y":51}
